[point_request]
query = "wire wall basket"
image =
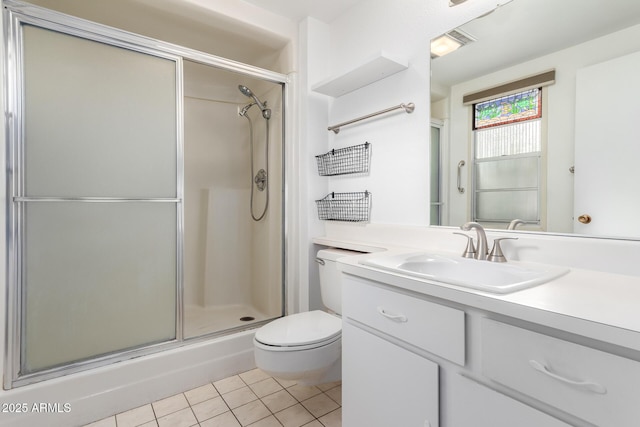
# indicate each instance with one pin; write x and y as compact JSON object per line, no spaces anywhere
{"x":354,"y":207}
{"x":354,"y":159}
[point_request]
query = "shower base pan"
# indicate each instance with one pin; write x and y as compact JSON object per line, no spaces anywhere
{"x":200,"y":320}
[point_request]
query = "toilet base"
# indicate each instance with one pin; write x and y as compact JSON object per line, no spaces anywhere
{"x":309,"y":378}
{"x":308,"y":367}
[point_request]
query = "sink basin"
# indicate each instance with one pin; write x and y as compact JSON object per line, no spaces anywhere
{"x":500,"y":278}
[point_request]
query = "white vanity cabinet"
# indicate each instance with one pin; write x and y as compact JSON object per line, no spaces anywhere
{"x":387,"y":380}
{"x":410,"y":359}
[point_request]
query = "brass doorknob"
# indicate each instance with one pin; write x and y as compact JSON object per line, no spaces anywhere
{"x":584,"y":218}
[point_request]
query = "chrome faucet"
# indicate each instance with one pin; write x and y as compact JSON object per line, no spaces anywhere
{"x":481,"y":252}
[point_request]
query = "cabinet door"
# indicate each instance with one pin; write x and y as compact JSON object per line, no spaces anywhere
{"x":385,"y":385}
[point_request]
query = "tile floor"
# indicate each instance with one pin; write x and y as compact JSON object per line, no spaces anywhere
{"x":252,"y":398}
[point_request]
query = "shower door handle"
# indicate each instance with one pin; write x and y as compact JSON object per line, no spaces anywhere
{"x":461,"y":163}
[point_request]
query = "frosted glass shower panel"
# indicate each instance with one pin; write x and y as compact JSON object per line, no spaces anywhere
{"x":100,"y":120}
{"x":98,"y":201}
{"x":82,"y":298}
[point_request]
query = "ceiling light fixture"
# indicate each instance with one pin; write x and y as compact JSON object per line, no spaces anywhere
{"x":455,"y":2}
{"x":449,"y":42}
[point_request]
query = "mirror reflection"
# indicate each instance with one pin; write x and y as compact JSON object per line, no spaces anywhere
{"x":534,"y":119}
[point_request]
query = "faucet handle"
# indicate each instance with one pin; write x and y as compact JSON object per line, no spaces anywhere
{"x":496,"y":254}
{"x":470,"y":250}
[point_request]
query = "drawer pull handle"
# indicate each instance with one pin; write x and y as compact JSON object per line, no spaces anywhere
{"x":594,"y":387}
{"x":400,"y":318}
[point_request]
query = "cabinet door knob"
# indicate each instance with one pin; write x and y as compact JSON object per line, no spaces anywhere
{"x":584,"y":218}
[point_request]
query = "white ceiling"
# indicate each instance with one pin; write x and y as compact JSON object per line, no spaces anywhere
{"x":296,"y":10}
{"x":528,"y":29}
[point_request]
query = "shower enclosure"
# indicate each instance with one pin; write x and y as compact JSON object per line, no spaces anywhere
{"x":233,"y":248}
{"x":130,"y":194}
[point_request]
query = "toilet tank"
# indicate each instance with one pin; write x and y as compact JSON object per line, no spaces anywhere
{"x":330,"y":277}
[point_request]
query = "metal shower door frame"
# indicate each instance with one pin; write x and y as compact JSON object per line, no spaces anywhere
{"x":16,"y":14}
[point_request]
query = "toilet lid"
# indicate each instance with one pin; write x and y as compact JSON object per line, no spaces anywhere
{"x":300,"y":329}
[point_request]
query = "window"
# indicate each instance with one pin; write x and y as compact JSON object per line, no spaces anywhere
{"x":507,"y":158}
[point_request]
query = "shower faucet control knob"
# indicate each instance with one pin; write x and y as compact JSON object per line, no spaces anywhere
{"x":261,"y":179}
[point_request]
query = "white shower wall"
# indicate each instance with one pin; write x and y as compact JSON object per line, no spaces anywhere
{"x":230,"y":260}
{"x":216,"y":175}
{"x":227,"y":248}
{"x":267,"y":265}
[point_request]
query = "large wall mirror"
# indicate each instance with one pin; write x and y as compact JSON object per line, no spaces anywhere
{"x":577,"y":168}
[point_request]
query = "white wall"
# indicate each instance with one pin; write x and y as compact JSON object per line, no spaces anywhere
{"x":312,"y":136}
{"x":398,"y":178}
{"x":560,"y":103}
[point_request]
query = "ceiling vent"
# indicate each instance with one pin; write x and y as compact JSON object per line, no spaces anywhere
{"x":448,"y":42}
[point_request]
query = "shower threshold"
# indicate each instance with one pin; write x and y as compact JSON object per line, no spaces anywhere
{"x":200,"y":320}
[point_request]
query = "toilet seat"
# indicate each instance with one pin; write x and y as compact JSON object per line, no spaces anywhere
{"x":300,"y":331}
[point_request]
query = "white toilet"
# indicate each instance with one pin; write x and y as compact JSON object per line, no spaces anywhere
{"x":307,"y":346}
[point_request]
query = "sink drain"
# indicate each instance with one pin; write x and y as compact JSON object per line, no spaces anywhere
{"x":247,"y":318}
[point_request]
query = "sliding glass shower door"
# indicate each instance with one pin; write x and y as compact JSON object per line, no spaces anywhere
{"x":118,"y":242}
{"x":95,"y":209}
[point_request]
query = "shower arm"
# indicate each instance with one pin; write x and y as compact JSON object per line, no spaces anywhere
{"x":244,"y":109}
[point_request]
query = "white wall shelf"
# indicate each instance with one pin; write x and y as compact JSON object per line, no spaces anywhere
{"x":376,"y":68}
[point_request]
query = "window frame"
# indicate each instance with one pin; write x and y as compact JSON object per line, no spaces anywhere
{"x":540,"y":223}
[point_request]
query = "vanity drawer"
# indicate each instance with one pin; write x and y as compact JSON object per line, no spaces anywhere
{"x":435,"y":328}
{"x":599,"y":387}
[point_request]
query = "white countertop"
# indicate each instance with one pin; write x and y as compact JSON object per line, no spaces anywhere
{"x":597,"y":305}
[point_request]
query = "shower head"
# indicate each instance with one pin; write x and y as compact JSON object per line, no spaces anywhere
{"x":248,"y":93}
{"x":266,"y":113}
{"x":245,"y":91}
